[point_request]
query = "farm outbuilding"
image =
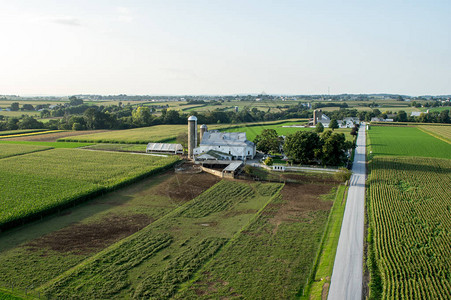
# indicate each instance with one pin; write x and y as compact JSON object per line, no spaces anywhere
{"x":164,"y":148}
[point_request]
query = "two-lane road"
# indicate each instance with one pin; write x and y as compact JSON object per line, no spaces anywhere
{"x":346,"y":281}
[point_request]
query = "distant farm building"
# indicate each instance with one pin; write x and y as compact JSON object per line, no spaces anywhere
{"x":164,"y":148}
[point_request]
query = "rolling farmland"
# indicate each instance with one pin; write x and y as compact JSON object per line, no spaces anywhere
{"x":408,"y":202}
{"x":51,"y":178}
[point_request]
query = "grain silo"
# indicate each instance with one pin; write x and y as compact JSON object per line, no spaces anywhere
{"x":203,"y":129}
{"x":192,"y":135}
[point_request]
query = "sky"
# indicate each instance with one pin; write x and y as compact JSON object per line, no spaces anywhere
{"x":216,"y":47}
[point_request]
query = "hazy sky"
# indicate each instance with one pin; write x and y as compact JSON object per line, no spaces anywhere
{"x":225,"y":47}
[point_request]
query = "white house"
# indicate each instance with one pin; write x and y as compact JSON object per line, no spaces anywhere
{"x":232,"y":143}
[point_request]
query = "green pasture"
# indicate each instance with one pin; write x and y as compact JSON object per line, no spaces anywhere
{"x":43,"y":180}
{"x":118,"y":147}
{"x":405,"y":141}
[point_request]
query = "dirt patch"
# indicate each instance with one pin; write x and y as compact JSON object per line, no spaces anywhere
{"x":52,"y":137}
{"x":299,"y":200}
{"x":184,"y":187}
{"x":314,"y":178}
{"x":87,"y":238}
{"x":325,"y":291}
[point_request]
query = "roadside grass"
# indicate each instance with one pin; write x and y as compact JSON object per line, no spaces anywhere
{"x":320,"y":285}
{"x":55,"y":145}
{"x":405,"y":141}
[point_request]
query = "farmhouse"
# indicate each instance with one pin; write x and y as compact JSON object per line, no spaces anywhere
{"x":234,"y":144}
{"x":164,"y":148}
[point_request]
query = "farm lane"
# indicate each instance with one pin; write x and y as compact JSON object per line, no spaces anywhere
{"x":346,"y":281}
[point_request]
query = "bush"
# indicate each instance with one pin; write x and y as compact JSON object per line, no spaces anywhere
{"x":269,"y":161}
{"x":343,"y":175}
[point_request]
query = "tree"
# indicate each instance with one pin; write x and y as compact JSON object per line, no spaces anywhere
{"x":444,"y":116}
{"x":269,"y":161}
{"x":319,"y":127}
{"x":141,"y":116}
{"x":343,"y":174}
{"x":354,"y":130}
{"x":74,"y":101}
{"x":27,"y":107}
{"x":333,"y":124}
{"x":401,"y":116}
{"x":30,"y":123}
{"x":334,"y":148}
{"x":15,"y":106}
{"x":303,"y":146}
{"x":268,"y":141}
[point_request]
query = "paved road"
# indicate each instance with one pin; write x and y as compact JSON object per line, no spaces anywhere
{"x":346,"y":281}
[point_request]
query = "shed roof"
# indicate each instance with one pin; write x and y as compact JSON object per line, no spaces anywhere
{"x":164,"y":147}
{"x":233,"y":166}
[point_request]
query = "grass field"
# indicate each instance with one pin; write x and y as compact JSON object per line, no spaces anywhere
{"x":8,"y":150}
{"x":37,"y":182}
{"x":409,"y":202}
{"x":405,"y":141}
{"x":30,"y":133}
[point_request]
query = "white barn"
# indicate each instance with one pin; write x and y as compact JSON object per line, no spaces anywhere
{"x":232,"y":143}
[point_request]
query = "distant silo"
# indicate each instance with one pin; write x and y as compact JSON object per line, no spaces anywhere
{"x":192,"y":135}
{"x":203,"y":129}
{"x":236,"y":108}
{"x":317,"y":114}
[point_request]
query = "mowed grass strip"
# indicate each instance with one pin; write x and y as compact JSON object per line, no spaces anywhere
{"x":155,"y":261}
{"x":405,"y":141}
{"x":8,"y":150}
{"x":409,"y":206}
{"x":44,"y":180}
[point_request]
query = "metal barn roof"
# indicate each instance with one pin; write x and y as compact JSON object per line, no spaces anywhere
{"x":164,"y":147}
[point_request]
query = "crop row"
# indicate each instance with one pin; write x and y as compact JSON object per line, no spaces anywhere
{"x":441,"y":131}
{"x":109,"y":272}
{"x":45,"y":180}
{"x":194,"y":241}
{"x":410,"y":205}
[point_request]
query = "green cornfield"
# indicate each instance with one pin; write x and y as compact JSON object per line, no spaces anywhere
{"x":409,"y":201}
{"x":33,"y":183}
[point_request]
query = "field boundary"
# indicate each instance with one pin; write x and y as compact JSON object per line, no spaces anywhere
{"x":434,"y":135}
